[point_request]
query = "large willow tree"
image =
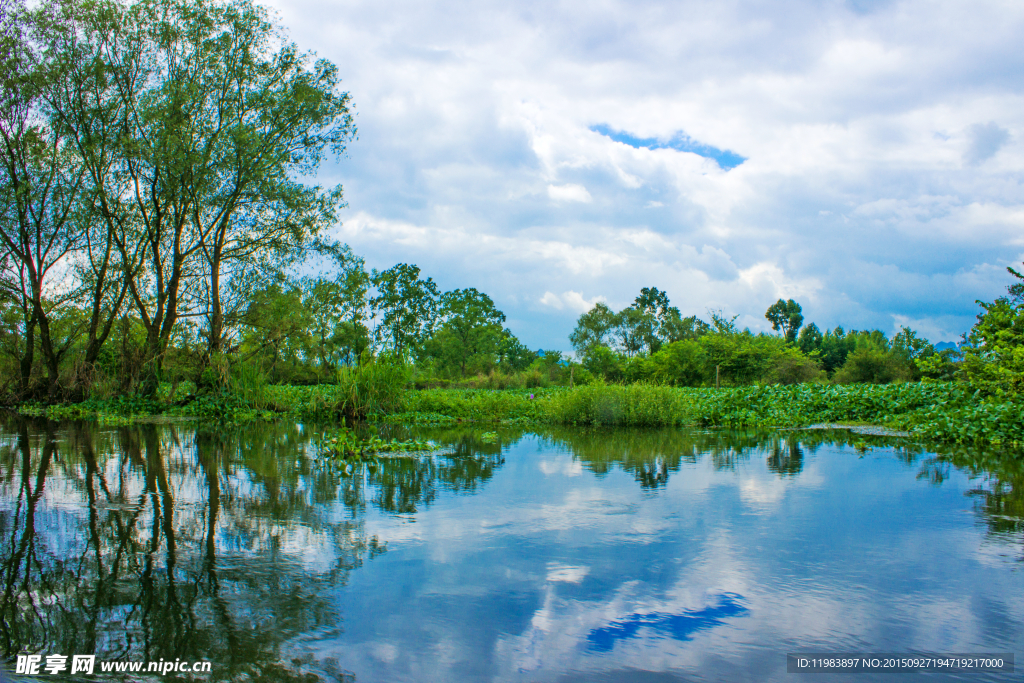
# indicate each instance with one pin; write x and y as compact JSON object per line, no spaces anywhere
{"x":194,"y":123}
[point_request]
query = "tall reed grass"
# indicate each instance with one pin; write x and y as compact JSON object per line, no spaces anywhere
{"x":638,"y":405}
{"x":375,"y":387}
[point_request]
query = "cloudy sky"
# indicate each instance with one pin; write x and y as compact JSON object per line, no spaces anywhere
{"x":862,"y":157}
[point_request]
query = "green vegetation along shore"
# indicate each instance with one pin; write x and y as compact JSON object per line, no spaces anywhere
{"x":940,"y":411}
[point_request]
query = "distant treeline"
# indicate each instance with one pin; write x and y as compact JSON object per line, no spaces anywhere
{"x":651,"y":341}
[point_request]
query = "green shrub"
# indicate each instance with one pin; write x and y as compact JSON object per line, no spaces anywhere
{"x":680,"y":364}
{"x":872,"y":365}
{"x":793,"y":367}
{"x":802,"y":404}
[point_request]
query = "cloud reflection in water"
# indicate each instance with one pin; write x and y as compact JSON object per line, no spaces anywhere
{"x":677,"y":626}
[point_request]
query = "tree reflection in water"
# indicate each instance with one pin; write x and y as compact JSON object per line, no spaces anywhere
{"x":998,"y":490}
{"x":227,"y":544}
{"x":652,"y":455}
{"x":151,"y":542}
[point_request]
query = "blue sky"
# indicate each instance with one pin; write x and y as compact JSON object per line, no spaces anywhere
{"x":681,"y":142}
{"x":864,"y":158}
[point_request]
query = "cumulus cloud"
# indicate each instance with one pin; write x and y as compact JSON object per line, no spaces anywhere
{"x":856,"y":156}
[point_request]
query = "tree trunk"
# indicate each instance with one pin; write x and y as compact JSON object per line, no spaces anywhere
{"x":50,"y":357}
{"x":216,"y":315}
{"x":28,"y":357}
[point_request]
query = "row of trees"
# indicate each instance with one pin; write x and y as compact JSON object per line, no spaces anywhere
{"x":650,"y":340}
{"x":653,"y":342}
{"x":304,"y":330}
{"x":155,"y":209}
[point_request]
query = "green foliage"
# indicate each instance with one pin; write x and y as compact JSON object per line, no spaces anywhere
{"x":965,"y":416}
{"x":676,"y":328}
{"x":943,"y":411}
{"x":407,"y":307}
{"x":602,"y":336}
{"x":810,"y":339}
{"x":470,"y":334}
{"x":681,"y":364}
{"x":785,"y":317}
{"x":993,"y":357}
{"x":833,"y":349}
{"x":941,"y":366}
{"x":633,"y":331}
{"x":795,"y":405}
{"x":721,"y":324}
{"x":102,"y":410}
{"x":865,"y":356}
{"x":415,"y":418}
{"x":512,"y":354}
{"x":654,"y":312}
{"x":603,"y":362}
{"x":311,"y":402}
{"x":219,"y":405}
{"x":249,"y":383}
{"x":480,"y":404}
{"x":593,"y":330}
{"x":790,"y":366}
{"x":873,"y":366}
{"x":741,"y":358}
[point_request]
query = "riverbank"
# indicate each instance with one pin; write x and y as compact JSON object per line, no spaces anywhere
{"x":948,"y":412}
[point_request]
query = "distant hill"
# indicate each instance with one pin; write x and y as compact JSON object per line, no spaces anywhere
{"x":946,"y":345}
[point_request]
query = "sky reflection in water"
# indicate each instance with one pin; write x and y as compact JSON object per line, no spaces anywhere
{"x":571,"y":554}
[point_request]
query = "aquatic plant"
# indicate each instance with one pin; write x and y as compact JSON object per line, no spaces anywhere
{"x":347,"y":444}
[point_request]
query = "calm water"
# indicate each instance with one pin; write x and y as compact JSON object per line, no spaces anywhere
{"x":566,"y":555}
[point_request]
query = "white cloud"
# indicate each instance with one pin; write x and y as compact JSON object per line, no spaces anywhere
{"x":553,"y":300}
{"x":569,"y":193}
{"x":879,"y":142}
{"x":572,"y":301}
{"x":770,"y":278}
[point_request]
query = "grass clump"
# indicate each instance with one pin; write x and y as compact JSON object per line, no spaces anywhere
{"x":635,"y":405}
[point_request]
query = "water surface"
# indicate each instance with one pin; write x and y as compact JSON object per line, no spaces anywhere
{"x":565,"y":555}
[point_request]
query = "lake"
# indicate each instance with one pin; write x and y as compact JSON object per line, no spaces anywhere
{"x":564,"y":554}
